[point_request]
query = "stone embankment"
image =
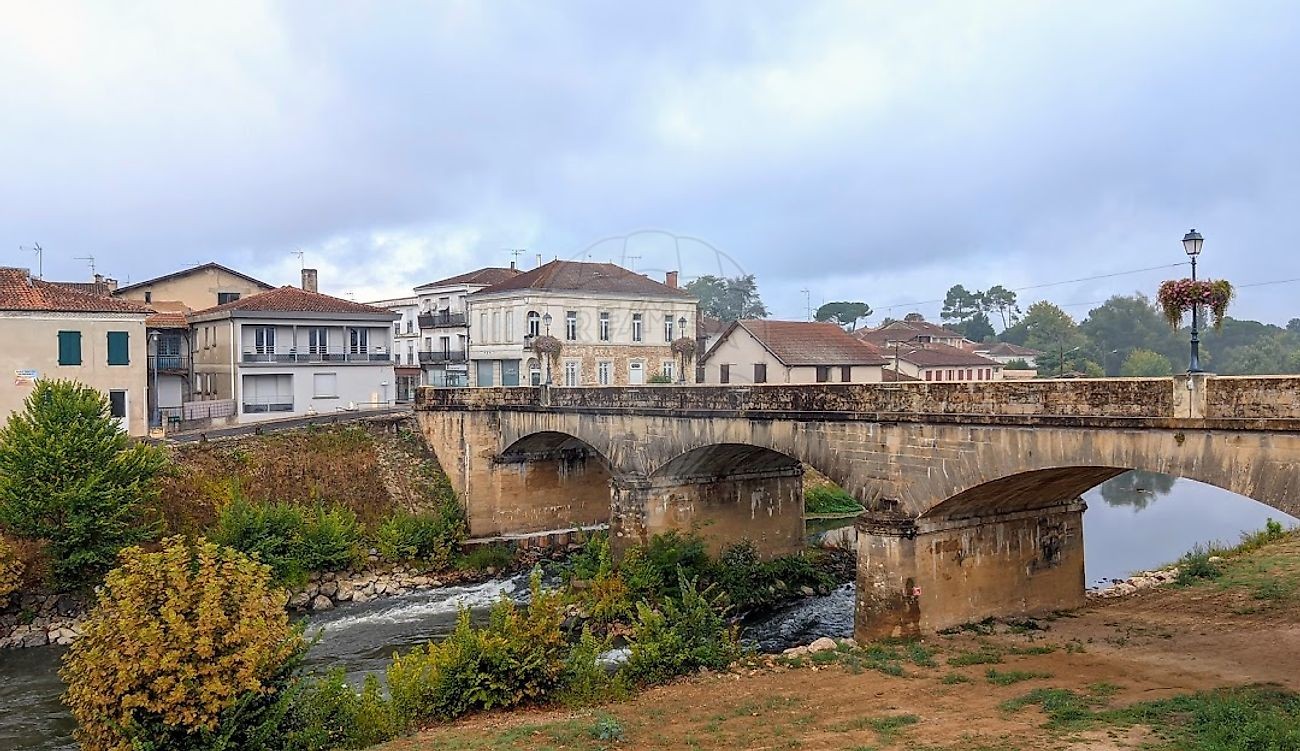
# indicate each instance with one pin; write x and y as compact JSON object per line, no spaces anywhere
{"x":1135,"y":583}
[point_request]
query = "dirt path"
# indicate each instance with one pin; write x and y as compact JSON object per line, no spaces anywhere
{"x":1153,"y":645}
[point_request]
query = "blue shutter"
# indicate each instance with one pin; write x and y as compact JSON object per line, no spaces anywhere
{"x":69,"y":347}
{"x":119,"y":350}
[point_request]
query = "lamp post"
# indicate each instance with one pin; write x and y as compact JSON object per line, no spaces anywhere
{"x":681,"y":326}
{"x":546,"y":321}
{"x":1061,"y":362}
{"x":1192,"y":242}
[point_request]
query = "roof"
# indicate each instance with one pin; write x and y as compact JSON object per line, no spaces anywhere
{"x":191,"y":270}
{"x":708,"y":326}
{"x":934,"y":354}
{"x":485,"y":277}
{"x":169,"y":320}
{"x":101,"y":289}
{"x":898,"y":331}
{"x":797,"y":343}
{"x":1006,"y":349}
{"x":580,"y":276}
{"x":294,"y":300}
{"x":19,"y":291}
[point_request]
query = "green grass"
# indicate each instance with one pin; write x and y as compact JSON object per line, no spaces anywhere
{"x":985,"y":656}
{"x":953,"y":679}
{"x":830,"y":499}
{"x":886,"y":727}
{"x":1008,"y":677}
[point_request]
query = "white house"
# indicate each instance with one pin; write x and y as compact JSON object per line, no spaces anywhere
{"x":443,"y":323}
{"x":1005,"y":352}
{"x":615,"y":326}
{"x":293,"y":351}
{"x":940,"y":362}
{"x":763,"y":351}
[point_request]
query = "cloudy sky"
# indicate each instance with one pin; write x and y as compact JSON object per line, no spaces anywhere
{"x":871,"y":151}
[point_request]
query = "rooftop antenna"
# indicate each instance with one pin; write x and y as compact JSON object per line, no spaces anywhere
{"x":302,"y":262}
{"x":40,"y":258}
{"x":807,"y":302}
{"x":88,"y":259}
{"x":515,"y":253}
{"x":631,"y":262}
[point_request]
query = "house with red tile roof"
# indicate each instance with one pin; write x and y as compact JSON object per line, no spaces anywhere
{"x":764,"y":351}
{"x":940,"y":362}
{"x":293,"y":351}
{"x":52,"y":330}
{"x":615,"y":327}
{"x":912,"y":329}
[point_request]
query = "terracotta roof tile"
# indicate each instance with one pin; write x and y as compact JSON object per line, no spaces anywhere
{"x":934,"y":354}
{"x":18,"y":291}
{"x":579,"y":276}
{"x":485,"y":276}
{"x":170,"y":320}
{"x":1006,"y":349}
{"x":100,"y":289}
{"x":896,"y":331}
{"x":805,"y":343}
{"x":294,"y":300}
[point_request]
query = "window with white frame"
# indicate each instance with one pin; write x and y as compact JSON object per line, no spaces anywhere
{"x":534,"y":323}
{"x":325,"y":385}
{"x":668,"y":327}
{"x":358,"y":341}
{"x":264,"y":340}
{"x":668,"y":369}
{"x":571,"y":325}
{"x":636,"y":327}
{"x":571,"y":373}
{"x":604,"y":327}
{"x":605,"y":372}
{"x":317,"y":340}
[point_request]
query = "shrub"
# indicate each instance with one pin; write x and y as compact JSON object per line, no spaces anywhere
{"x":652,"y":571}
{"x":327,"y":714}
{"x":517,"y":657}
{"x":430,"y":536}
{"x":331,"y":539}
{"x":1196,"y":565}
{"x":291,"y":540}
{"x":592,"y":560}
{"x":751,"y":583}
{"x":71,"y":477}
{"x":680,"y":636}
{"x":11,"y":571}
{"x":1272,"y":532}
{"x":830,"y":499}
{"x":484,"y":557}
{"x":188,"y":647}
{"x":585,"y":680}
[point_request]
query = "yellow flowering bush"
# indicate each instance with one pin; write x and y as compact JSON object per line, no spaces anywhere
{"x":181,"y":649}
{"x":11,"y":571}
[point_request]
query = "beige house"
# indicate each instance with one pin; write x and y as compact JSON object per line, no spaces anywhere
{"x":616,"y":327}
{"x":196,"y":288}
{"x":913,"y":329}
{"x":940,"y":362}
{"x":53,"y":331}
{"x":293,"y":352}
{"x":762,"y":351}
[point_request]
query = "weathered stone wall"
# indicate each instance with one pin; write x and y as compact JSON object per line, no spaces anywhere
{"x":1253,"y":397}
{"x":919,"y":578}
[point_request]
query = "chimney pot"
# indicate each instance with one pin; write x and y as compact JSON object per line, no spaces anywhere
{"x":512,"y":265}
{"x":670,"y":278}
{"x":309,"y":280}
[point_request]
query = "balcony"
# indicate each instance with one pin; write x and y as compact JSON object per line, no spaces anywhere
{"x":255,"y":358}
{"x":169,"y":363}
{"x":441,"y":319}
{"x":441,"y":358}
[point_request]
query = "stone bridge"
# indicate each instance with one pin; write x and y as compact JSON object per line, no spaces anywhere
{"x":972,"y":489}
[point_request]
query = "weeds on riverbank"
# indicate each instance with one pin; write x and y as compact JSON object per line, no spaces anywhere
{"x":830,"y":499}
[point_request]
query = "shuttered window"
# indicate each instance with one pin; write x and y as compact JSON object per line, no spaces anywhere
{"x":119,"y":350}
{"x":760,"y":372}
{"x":69,"y":347}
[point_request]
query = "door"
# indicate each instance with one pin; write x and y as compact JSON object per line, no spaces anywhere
{"x":636,"y":373}
{"x":117,"y":408}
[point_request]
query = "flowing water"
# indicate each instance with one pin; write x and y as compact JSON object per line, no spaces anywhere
{"x":1136,"y":521}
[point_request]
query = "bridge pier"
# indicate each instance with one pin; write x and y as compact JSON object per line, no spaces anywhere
{"x":765,"y":507}
{"x":919,"y":575}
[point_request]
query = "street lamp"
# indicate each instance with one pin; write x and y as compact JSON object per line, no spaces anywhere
{"x":1192,"y":242}
{"x":546,"y":321}
{"x":681,"y":326}
{"x":1065,"y":352}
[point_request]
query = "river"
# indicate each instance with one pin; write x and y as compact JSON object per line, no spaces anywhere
{"x":1137,"y":521}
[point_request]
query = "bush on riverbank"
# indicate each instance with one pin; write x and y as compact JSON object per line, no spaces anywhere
{"x":430,"y":537}
{"x":292,"y":540}
{"x":326,"y":713}
{"x":685,"y":633}
{"x":11,"y":571}
{"x":186,"y":648}
{"x":830,"y":499}
{"x":71,"y":478}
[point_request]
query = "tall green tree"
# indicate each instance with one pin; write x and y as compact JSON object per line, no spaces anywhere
{"x":70,"y":477}
{"x":846,"y":314}
{"x":977,"y":328}
{"x":728,"y":298}
{"x":1143,"y":363}
{"x":960,"y":304}
{"x":1126,"y":323}
{"x":1051,"y":330}
{"x":1000,"y":300}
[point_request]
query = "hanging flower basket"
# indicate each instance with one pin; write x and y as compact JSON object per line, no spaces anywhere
{"x":547,"y":345}
{"x":1178,"y":296}
{"x":684,"y":346}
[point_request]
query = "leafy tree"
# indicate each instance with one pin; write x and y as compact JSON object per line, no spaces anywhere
{"x":1293,"y":325}
{"x":1017,"y":364}
{"x":960,"y":304}
{"x":844,"y":313}
{"x":1052,"y":330}
{"x":1136,"y":488}
{"x":1125,"y":323}
{"x":1145,"y":363}
{"x":728,"y":298}
{"x":1270,"y":355}
{"x":977,"y":328}
{"x":1003,"y":301}
{"x":71,"y":477}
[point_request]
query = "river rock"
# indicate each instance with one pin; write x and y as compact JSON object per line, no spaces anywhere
{"x":823,"y":644}
{"x":329,"y":588}
{"x":299,"y":600}
{"x":322,"y":603}
{"x":806,"y":591}
{"x":344,"y":592}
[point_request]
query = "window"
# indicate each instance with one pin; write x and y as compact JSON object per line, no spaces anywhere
{"x":668,"y":327}
{"x":534,"y":323}
{"x":510,"y":329}
{"x":509,"y":372}
{"x":636,"y":327}
{"x":846,"y":373}
{"x":358,"y":341}
{"x":823,"y":373}
{"x":446,"y":345}
{"x":604,"y":327}
{"x":69,"y":347}
{"x":950,"y":376}
{"x":760,"y":372}
{"x":484,"y":369}
{"x":604,"y":372}
{"x":148,"y":295}
{"x":264,"y":340}
{"x":325,"y":385}
{"x":317,"y":340}
{"x":668,"y":369}
{"x":970,"y":374}
{"x":117,"y":404}
{"x":496,"y":326}
{"x":724,"y":373}
{"x":571,"y":325}
{"x":225,"y":297}
{"x":571,"y":373}
{"x":928,"y":373}
{"x":119,"y":348}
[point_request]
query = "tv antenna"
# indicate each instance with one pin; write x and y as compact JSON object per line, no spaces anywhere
{"x":631,"y":262}
{"x":40,"y":258}
{"x":302,"y":262}
{"x":515,"y":253}
{"x":88,"y":259}
{"x":807,"y":302}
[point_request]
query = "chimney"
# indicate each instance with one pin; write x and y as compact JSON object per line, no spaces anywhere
{"x":539,"y":260}
{"x":110,"y":283}
{"x":309,"y":280}
{"x":512,"y":265}
{"x":670,"y":278}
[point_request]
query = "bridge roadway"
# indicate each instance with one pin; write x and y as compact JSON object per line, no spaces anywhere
{"x":972,"y":489}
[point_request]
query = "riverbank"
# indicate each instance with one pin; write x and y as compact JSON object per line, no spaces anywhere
{"x":1025,"y":686}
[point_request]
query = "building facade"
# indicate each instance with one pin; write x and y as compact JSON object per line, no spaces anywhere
{"x":1005,"y":352}
{"x":913,"y":329}
{"x":940,"y":362}
{"x":53,"y":331}
{"x":443,"y":323}
{"x":406,"y":341}
{"x":293,"y":352}
{"x":784,"y":352}
{"x":615,"y":327}
{"x":196,"y":288}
